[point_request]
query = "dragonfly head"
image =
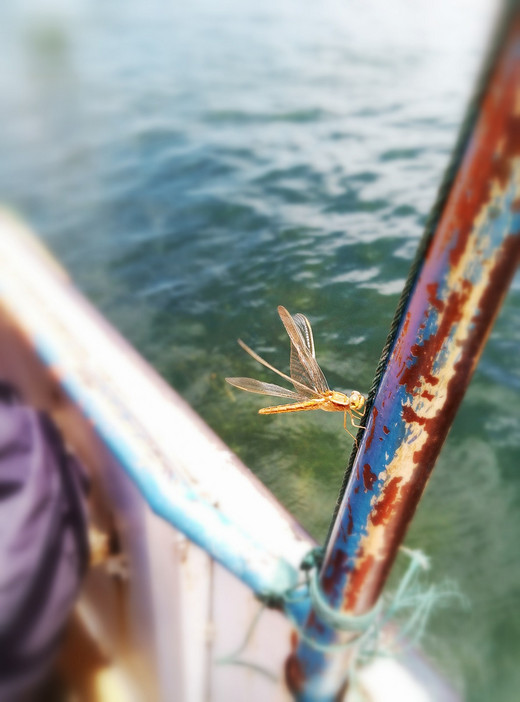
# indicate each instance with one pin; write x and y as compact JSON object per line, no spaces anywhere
{"x":357,"y":401}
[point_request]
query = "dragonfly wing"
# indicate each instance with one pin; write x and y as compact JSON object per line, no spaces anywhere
{"x":298,"y":370}
{"x":303,"y":389}
{"x":304,"y":367}
{"x":305,"y":329}
{"x":252,"y":385}
{"x":299,"y":374}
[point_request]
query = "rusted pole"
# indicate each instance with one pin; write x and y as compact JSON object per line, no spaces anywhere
{"x":469,"y":262}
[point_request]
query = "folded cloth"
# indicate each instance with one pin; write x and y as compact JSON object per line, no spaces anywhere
{"x":43,"y":542}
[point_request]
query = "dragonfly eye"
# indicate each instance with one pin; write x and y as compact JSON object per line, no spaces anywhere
{"x":357,"y":400}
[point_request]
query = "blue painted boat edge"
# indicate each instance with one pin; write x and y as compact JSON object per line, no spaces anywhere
{"x":178,"y":503}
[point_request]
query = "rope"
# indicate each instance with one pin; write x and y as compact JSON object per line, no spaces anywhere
{"x":336,"y":619}
{"x":365,"y":630}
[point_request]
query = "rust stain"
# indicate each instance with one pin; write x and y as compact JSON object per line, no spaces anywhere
{"x":406,"y":324}
{"x":350,"y":527}
{"x":357,"y":580}
{"x":498,"y":137}
{"x":334,"y":572}
{"x":383,"y":508}
{"x":293,"y":640}
{"x":342,"y":692}
{"x":410,"y":415}
{"x":398,"y":351}
{"x":432,"y":289}
{"x":427,"y":395}
{"x":426,"y":353}
{"x":369,"y":478}
{"x":294,"y":674}
{"x":401,"y":517}
{"x":511,"y":147}
{"x":313,"y":622}
{"x":489,"y":305}
{"x":358,"y":477}
{"x":370,"y":437}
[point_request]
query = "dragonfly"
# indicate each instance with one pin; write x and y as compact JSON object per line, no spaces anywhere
{"x":311,"y":390}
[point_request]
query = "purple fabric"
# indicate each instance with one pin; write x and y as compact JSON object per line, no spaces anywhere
{"x":43,"y":542}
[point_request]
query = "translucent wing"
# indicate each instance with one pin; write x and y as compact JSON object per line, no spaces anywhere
{"x":298,"y":371}
{"x":305,"y":329}
{"x":261,"y":388}
{"x":304,"y":367}
{"x":304,"y":390}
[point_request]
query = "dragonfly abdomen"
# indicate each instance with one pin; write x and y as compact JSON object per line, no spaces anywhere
{"x":295,"y":406}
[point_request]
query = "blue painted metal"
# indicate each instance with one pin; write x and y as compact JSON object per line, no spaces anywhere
{"x":181,"y":506}
{"x":469,"y":263}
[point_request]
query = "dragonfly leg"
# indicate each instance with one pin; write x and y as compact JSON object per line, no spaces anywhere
{"x":357,"y":415}
{"x":357,"y":426}
{"x":345,"y":426}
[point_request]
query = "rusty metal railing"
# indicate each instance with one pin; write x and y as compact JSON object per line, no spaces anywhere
{"x":469,"y":261}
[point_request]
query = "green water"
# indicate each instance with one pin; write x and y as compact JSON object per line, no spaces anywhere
{"x":196,"y":167}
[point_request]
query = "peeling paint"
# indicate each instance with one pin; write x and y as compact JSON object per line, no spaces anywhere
{"x":382,"y":510}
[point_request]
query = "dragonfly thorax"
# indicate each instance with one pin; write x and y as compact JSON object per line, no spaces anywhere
{"x":339,"y":398}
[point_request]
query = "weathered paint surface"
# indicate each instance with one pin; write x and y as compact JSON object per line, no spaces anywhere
{"x":469,"y":264}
